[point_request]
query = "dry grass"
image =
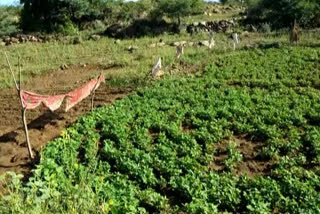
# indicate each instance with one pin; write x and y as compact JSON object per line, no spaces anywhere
{"x":41,"y":58}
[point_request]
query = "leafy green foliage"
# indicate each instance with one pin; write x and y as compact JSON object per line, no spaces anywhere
{"x":151,"y":152}
{"x":9,"y":20}
{"x":234,"y":156}
{"x":178,"y":8}
{"x":55,"y":15}
{"x":282,"y":13}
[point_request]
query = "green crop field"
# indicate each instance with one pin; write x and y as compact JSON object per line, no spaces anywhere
{"x":240,"y":136}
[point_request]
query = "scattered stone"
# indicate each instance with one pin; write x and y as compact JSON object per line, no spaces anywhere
{"x":33,"y":39}
{"x":2,"y":44}
{"x":159,"y":74}
{"x":221,"y":26}
{"x":160,"y":44}
{"x":77,"y":40}
{"x":245,"y":34}
{"x":132,"y":48}
{"x":202,"y":23}
{"x":204,"y":43}
{"x":216,"y":10}
{"x":175,"y":44}
{"x":190,"y":43}
{"x":64,"y":67}
{"x":23,"y":38}
{"x":94,"y":37}
{"x":118,"y":41}
{"x":14,"y":40}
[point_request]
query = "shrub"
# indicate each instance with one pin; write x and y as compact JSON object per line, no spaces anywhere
{"x":265,"y":28}
{"x":9,"y":20}
{"x":52,"y":15}
{"x":282,"y":13}
{"x":178,"y":8}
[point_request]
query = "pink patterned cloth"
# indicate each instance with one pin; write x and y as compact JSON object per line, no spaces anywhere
{"x":32,"y":100}
{"x":79,"y":94}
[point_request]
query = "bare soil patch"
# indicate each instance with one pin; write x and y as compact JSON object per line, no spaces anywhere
{"x":251,"y":164}
{"x":45,"y":125}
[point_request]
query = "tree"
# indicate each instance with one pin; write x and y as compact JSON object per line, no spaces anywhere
{"x":130,"y":11}
{"x":178,"y":8}
{"x":282,"y":13}
{"x":52,"y":15}
{"x":9,"y":20}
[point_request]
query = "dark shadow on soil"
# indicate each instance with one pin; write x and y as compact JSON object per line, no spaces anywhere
{"x":9,"y":137}
{"x":43,"y":120}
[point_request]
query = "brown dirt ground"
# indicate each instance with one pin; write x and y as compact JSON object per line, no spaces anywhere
{"x":45,"y":125}
{"x":250,"y":164}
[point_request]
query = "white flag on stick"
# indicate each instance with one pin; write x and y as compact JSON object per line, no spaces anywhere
{"x":156,"y":68}
{"x":211,"y":41}
{"x":179,"y":51}
{"x":235,"y":38}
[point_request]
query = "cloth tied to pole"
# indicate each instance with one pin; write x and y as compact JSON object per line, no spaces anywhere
{"x":79,"y":94}
{"x":32,"y":100}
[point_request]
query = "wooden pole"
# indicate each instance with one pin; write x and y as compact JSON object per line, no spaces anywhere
{"x":23,"y":114}
{"x":92,"y":99}
{"x":11,"y":71}
{"x":24,"y":122}
{"x":94,"y":91}
{"x":23,"y":109}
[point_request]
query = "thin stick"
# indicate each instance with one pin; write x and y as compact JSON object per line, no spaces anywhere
{"x":24,"y":122}
{"x":12,"y":73}
{"x":23,"y":114}
{"x":19,"y":72}
{"x":94,"y":91}
{"x":92,"y":99}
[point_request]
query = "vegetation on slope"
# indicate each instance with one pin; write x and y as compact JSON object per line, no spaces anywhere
{"x":282,"y":13}
{"x":9,"y":20}
{"x":175,"y":145}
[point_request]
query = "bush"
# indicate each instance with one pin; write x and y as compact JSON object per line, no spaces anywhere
{"x":178,"y":8}
{"x":52,"y":15}
{"x":9,"y":20}
{"x":265,"y":28}
{"x":67,"y":28}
